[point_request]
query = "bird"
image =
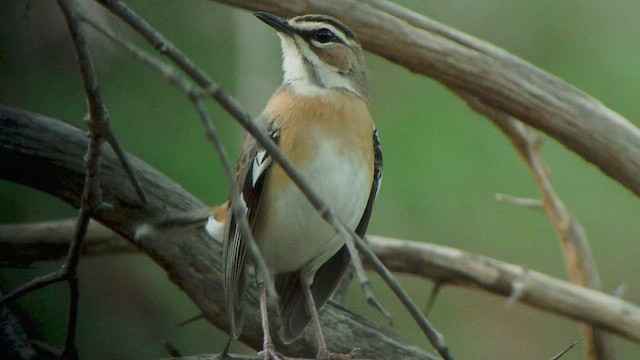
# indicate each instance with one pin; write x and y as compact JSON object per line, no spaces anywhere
{"x":319,"y":118}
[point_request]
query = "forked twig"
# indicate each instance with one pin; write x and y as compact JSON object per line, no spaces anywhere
{"x":91,"y":202}
{"x":577,"y":252}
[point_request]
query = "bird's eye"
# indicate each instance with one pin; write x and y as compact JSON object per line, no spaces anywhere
{"x":324,"y":36}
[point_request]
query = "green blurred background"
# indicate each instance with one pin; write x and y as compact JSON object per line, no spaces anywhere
{"x":443,"y":166}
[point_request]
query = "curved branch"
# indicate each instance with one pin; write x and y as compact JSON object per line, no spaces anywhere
{"x":46,"y":154}
{"x":439,"y":263}
{"x":448,"y":265}
{"x":498,"y":79}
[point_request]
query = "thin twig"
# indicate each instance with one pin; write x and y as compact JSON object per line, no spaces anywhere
{"x":231,"y":106}
{"x":435,"y":338}
{"x":524,"y":202}
{"x":237,"y":206}
{"x":195,"y":96}
{"x":435,"y":291}
{"x":92,"y":195}
{"x":458,"y":268}
{"x":577,"y":252}
{"x":563,"y":352}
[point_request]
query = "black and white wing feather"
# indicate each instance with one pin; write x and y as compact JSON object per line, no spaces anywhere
{"x":253,"y":165}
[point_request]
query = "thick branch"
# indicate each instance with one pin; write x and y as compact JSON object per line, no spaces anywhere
{"x":22,"y":244}
{"x":454,"y":266}
{"x":438,"y":263}
{"x":492,"y":75}
{"x":46,"y":154}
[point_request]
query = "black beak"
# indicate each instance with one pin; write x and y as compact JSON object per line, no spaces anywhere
{"x":276,"y":22}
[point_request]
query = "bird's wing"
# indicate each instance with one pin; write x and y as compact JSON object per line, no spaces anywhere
{"x":293,"y":308}
{"x":253,"y":164}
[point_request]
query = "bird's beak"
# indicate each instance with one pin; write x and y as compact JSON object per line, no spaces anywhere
{"x":276,"y":22}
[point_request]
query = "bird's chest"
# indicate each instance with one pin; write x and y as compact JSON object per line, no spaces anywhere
{"x":329,"y":140}
{"x":341,"y":174}
{"x":291,"y":233}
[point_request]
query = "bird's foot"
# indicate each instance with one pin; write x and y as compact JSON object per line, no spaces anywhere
{"x":269,"y":352}
{"x":326,"y":355}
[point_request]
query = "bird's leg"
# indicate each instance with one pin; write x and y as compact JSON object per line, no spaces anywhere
{"x":323,"y":353}
{"x":268,"y":349}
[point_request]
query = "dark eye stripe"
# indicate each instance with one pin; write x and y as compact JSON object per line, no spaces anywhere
{"x":310,"y":34}
{"x":330,"y":21}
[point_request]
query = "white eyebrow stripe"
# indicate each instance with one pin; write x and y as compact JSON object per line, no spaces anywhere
{"x":315,"y":25}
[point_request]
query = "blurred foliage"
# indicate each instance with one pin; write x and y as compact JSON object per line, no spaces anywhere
{"x":443,"y":165}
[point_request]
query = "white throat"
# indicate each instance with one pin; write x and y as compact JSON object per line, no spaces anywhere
{"x":298,"y":77}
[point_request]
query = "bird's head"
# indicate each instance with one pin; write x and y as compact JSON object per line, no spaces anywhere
{"x":319,"y":53}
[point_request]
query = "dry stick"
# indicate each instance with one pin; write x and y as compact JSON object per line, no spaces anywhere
{"x":99,"y":126}
{"x":563,"y":352}
{"x":91,"y":196}
{"x":24,"y":244}
{"x":457,"y":267}
{"x":194,"y":95}
{"x":232,"y":107}
{"x":577,"y":252}
{"x":438,"y":263}
{"x":211,"y":133}
{"x":501,"y":80}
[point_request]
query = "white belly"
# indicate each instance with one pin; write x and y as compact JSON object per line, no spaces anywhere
{"x":290,"y":232}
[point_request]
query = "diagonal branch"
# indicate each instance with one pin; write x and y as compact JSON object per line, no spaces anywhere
{"x":440,"y":264}
{"x":195,"y":96}
{"x":353,"y":241}
{"x":577,"y":252}
{"x":218,"y":94}
{"x":54,"y":148}
{"x":499,"y":79}
{"x":91,"y":201}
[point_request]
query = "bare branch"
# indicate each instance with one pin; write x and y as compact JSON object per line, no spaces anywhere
{"x":218,"y":94}
{"x":577,"y":252}
{"x":457,"y":267}
{"x":230,"y":105}
{"x":192,"y":260}
{"x":22,"y":244}
{"x":499,"y":79}
{"x":454,"y":267}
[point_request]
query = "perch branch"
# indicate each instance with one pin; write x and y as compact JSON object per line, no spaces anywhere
{"x":54,"y":150}
{"x":438,"y":263}
{"x":23,"y":244}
